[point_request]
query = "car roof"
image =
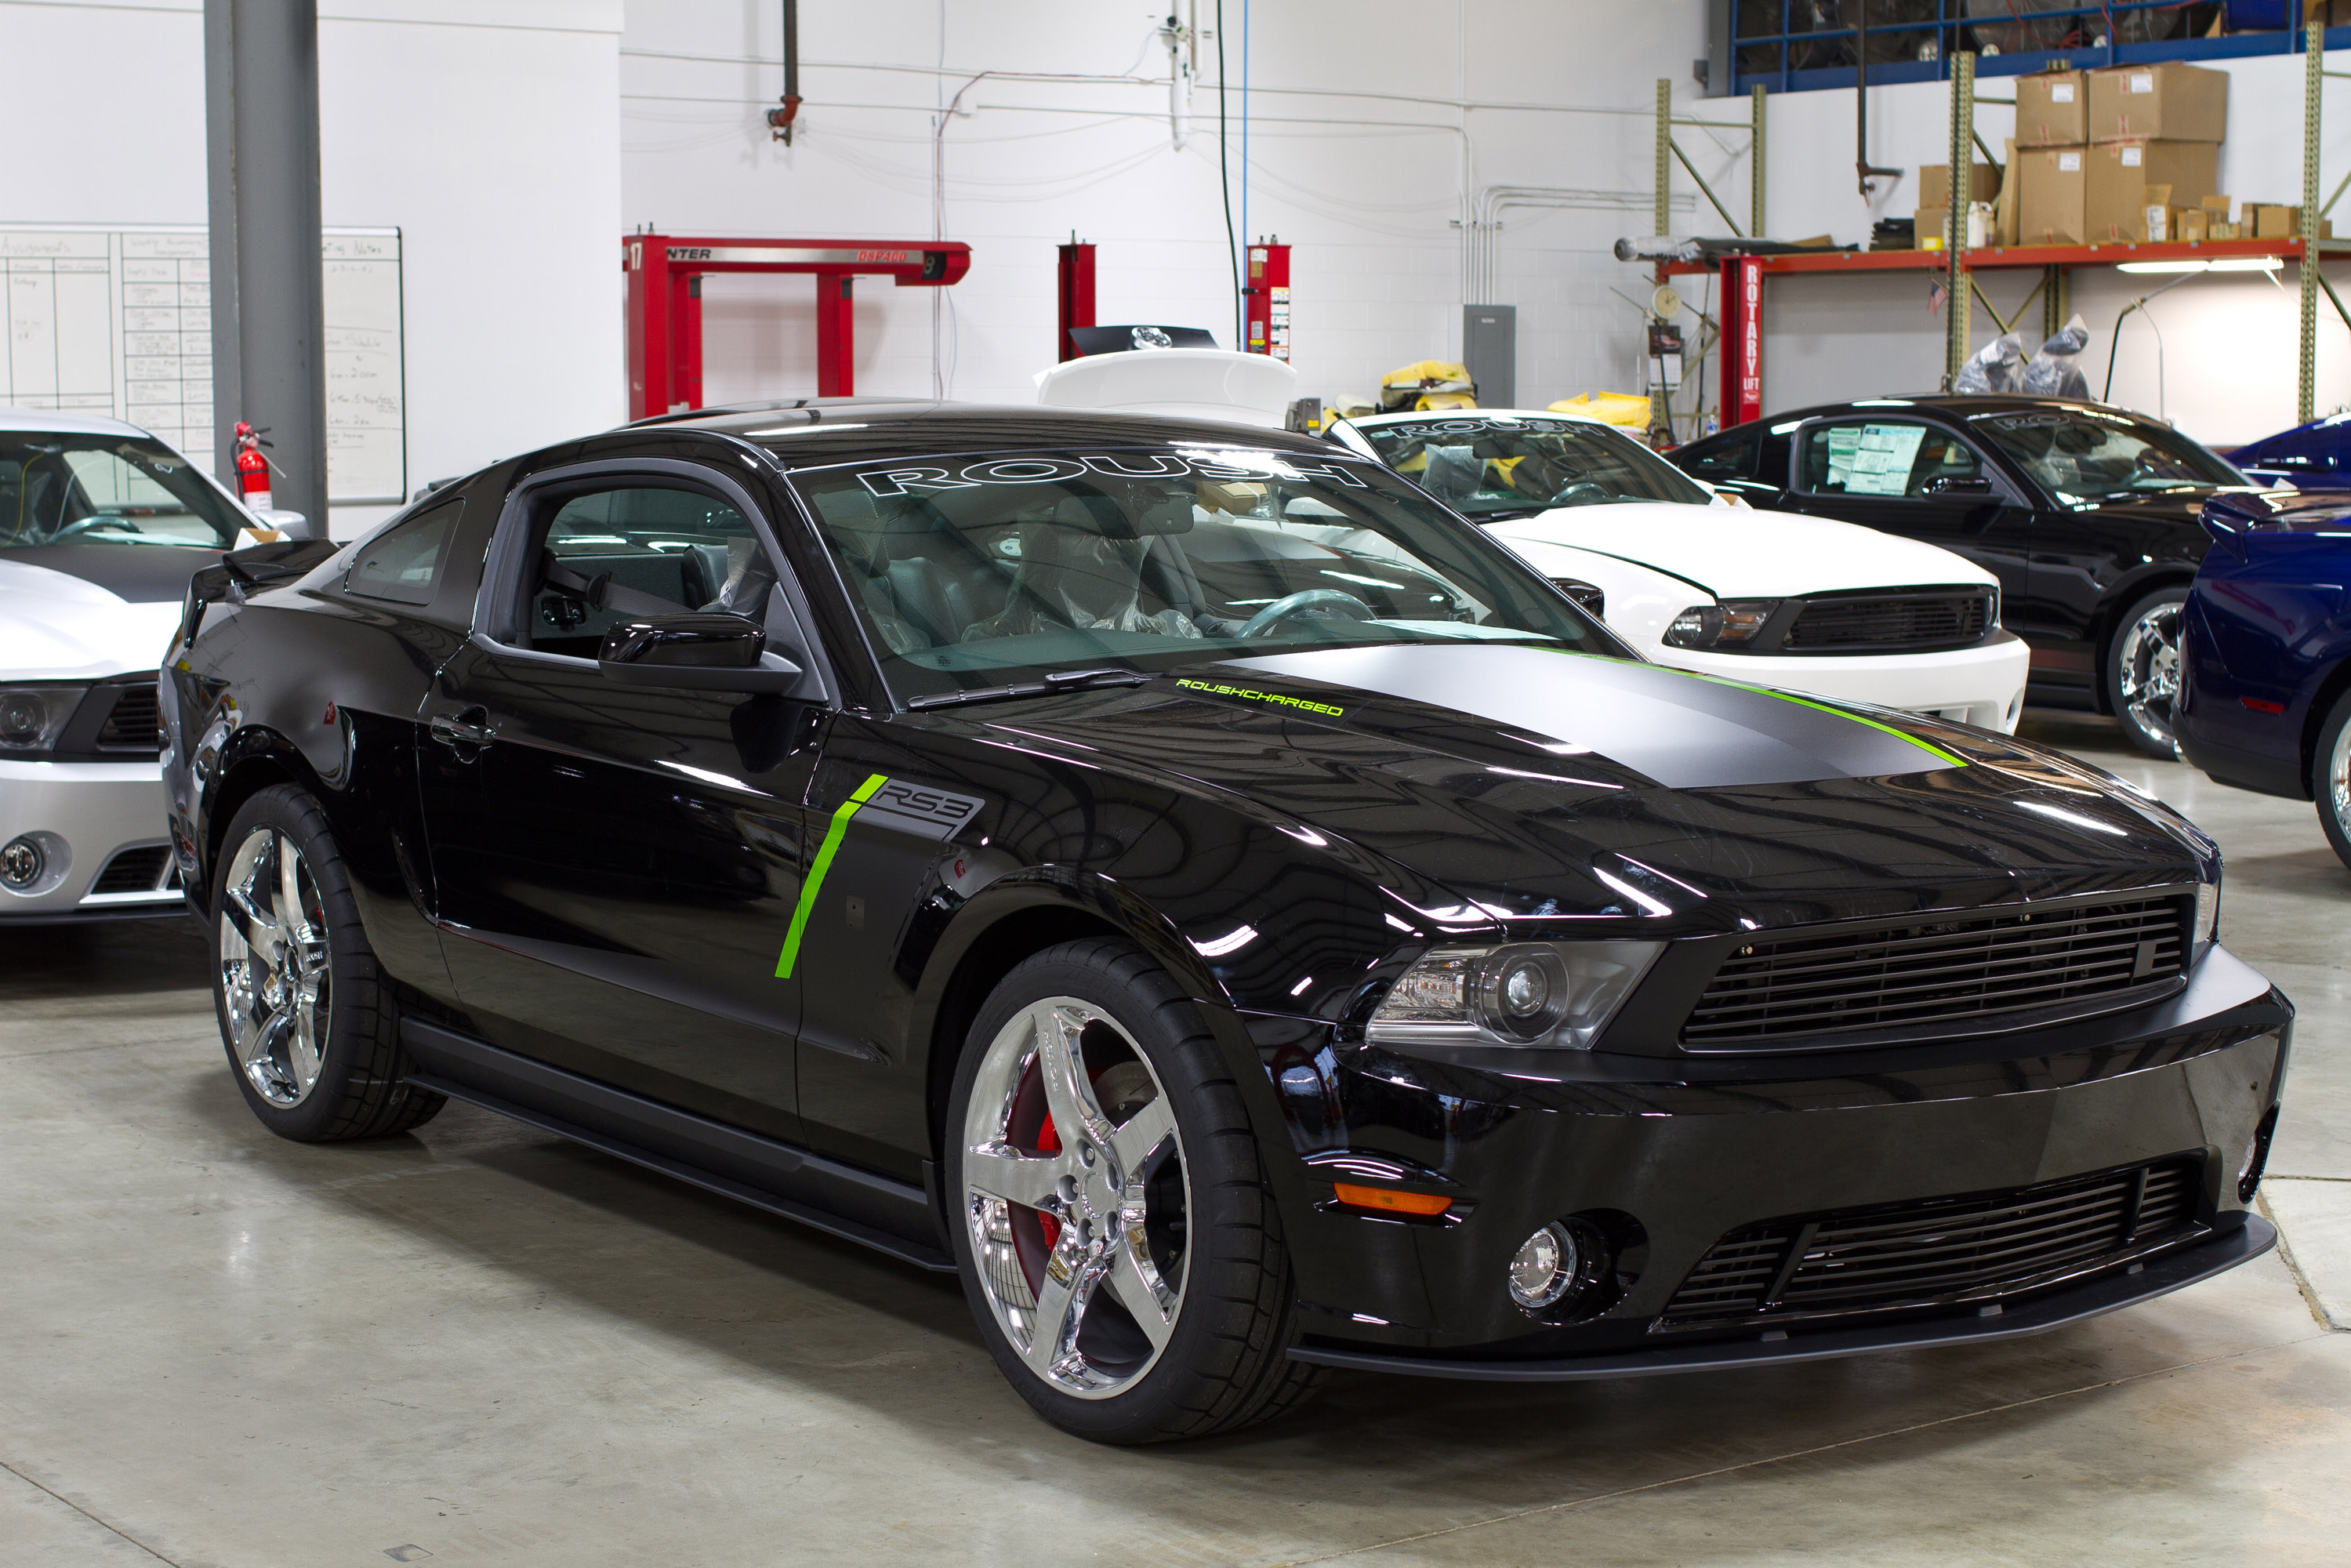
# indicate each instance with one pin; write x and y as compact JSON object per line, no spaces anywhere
{"x":1952,"y":407}
{"x":67,"y":422}
{"x":812,"y":431}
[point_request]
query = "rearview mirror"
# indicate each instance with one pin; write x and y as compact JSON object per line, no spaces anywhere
{"x":719,"y":651}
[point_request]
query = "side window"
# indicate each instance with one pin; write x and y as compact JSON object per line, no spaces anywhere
{"x":1888,"y":459}
{"x":403,"y":565}
{"x":1731,"y":459}
{"x":619,"y":553}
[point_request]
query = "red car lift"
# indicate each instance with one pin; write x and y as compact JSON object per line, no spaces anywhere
{"x":665,"y":305}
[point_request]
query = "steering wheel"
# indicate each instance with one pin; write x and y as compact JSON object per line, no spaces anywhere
{"x":96,"y":521}
{"x":1308,"y":601}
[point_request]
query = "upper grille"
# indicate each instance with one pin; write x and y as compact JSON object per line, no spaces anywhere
{"x":1935,"y":1250}
{"x":1885,"y":622}
{"x":1967,"y":967}
{"x":137,"y":722}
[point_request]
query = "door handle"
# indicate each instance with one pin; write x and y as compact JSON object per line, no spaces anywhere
{"x":465,"y":727}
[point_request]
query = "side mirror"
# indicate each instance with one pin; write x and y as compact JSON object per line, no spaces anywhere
{"x":716,"y":653}
{"x":1958,"y":485}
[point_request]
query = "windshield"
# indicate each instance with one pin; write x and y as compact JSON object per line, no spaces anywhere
{"x":62,"y":489}
{"x":1485,"y":466}
{"x":2081,"y":455}
{"x":978,"y":573}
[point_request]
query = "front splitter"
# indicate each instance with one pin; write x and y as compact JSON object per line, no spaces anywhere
{"x":2157,"y":1277}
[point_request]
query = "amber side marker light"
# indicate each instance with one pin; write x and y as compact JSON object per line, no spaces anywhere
{"x":1388,"y":1202}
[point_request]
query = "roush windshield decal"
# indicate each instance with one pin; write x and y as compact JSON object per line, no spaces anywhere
{"x":1682,"y":730}
{"x":908,"y":478}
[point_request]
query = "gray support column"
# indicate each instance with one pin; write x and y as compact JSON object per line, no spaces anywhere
{"x":261,"y":131}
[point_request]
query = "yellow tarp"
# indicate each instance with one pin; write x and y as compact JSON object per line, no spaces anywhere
{"x":1610,"y":408}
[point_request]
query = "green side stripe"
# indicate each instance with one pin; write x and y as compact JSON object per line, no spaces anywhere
{"x":818,"y":867}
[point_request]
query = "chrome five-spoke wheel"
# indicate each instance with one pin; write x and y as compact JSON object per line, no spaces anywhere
{"x":276,"y":989}
{"x":2146,"y":675}
{"x":1077,"y":1197}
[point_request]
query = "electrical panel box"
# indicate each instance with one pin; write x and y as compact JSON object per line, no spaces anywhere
{"x":1489,"y":348}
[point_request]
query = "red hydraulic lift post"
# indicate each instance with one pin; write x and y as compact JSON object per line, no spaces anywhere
{"x":665,"y":302}
{"x":1267,"y":300}
{"x":1077,"y":291}
{"x":1742,"y":340}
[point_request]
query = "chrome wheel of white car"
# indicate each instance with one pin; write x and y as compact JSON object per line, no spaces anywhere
{"x":276,"y":985}
{"x":2144,"y":675}
{"x":1076,"y":1196}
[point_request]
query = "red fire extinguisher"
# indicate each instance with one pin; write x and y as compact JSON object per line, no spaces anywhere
{"x":252,"y":467}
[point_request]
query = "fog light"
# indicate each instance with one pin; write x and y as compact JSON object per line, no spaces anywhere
{"x":22,"y":863}
{"x":1544,"y":1268}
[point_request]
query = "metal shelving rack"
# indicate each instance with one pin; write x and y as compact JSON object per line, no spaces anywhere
{"x":1742,"y":275}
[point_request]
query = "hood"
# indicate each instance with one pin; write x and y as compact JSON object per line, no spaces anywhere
{"x":1736,"y":552}
{"x":55,"y":626}
{"x":1544,"y":787}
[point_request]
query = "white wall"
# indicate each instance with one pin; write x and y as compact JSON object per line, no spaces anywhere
{"x":1366,"y":133}
{"x":486,"y":131}
{"x":2229,"y":362}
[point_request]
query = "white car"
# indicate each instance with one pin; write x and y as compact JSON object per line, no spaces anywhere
{"x":101,"y":525}
{"x":1697,"y":580}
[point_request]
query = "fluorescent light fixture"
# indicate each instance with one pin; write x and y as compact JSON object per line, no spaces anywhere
{"x":2224,"y":264}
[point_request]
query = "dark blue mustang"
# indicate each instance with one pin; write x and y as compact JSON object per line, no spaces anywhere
{"x":2265,"y":648}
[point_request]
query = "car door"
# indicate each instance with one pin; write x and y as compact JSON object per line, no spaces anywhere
{"x":1924,"y":482}
{"x":618,"y":863}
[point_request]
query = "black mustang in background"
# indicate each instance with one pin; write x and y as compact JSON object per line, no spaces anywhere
{"x":2087,"y":514}
{"x":1186,"y":882}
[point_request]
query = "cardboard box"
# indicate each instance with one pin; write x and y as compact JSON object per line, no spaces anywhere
{"x":2167,"y":225}
{"x":1930,"y":228}
{"x":2126,"y":177}
{"x":2218,"y":206}
{"x":2053,"y":187}
{"x":2195,"y":225}
{"x":2053,"y":109}
{"x":2159,"y":103}
{"x":1935,"y":184}
{"x":2275,"y":223}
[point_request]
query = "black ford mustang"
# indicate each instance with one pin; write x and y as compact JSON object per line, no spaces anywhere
{"x":1186,"y":882}
{"x":2086,"y":514}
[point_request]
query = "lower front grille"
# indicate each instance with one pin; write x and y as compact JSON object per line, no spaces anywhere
{"x":1936,"y":1252}
{"x":1892,"y":623}
{"x":144,"y":870}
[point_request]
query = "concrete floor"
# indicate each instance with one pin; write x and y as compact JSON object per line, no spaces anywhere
{"x":480,"y":1345}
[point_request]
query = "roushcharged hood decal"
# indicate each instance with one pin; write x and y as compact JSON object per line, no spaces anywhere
{"x":1680,"y":730}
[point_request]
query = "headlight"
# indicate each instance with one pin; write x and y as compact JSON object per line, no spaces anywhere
{"x":31,"y":718}
{"x":1728,"y":627}
{"x":1525,"y":993}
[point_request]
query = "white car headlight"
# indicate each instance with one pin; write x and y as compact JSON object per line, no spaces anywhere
{"x":1520,"y":993}
{"x":32,"y":718}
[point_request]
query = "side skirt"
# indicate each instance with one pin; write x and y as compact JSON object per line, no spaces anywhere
{"x":782,"y":1178}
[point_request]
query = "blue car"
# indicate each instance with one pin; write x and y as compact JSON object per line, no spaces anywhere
{"x":2265,"y":652}
{"x":2313,"y":456}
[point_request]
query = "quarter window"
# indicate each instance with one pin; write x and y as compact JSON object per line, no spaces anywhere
{"x":402,"y":565}
{"x":1893,"y":458}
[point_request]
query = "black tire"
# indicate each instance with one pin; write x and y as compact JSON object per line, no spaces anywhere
{"x":2142,"y":672}
{"x":359,"y":1090}
{"x":1225,"y":1364}
{"x":2330,"y":771}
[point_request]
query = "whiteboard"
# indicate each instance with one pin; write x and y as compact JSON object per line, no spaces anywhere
{"x":117,"y":321}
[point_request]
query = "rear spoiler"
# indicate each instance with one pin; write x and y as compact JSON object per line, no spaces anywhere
{"x":243,"y":572}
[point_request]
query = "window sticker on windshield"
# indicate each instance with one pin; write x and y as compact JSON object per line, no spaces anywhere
{"x":903,"y":479}
{"x":1875,"y":459}
{"x":1217,"y":688}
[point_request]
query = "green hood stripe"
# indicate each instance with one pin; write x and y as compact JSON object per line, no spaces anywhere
{"x":818,"y":867}
{"x":1823,"y":707}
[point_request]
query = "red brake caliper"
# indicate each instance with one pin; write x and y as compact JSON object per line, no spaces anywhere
{"x":1049,"y":1142}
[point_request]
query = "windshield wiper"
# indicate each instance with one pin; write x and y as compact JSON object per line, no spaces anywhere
{"x":1066,"y":681}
